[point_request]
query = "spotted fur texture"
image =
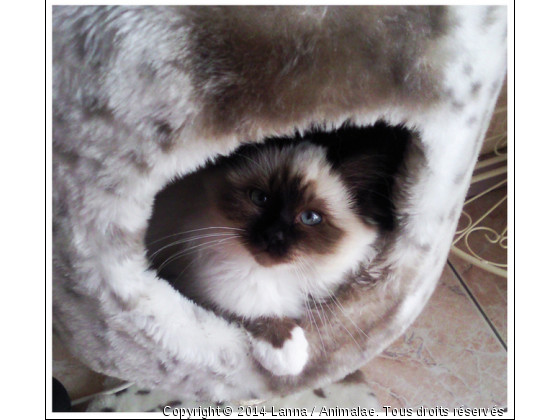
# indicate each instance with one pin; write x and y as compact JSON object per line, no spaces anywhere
{"x":350,"y":392}
{"x":142,"y":95}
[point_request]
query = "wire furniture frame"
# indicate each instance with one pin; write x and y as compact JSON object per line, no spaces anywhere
{"x":496,"y":238}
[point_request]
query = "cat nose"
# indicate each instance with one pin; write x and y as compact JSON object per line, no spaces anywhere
{"x":274,"y":241}
{"x":274,"y":238}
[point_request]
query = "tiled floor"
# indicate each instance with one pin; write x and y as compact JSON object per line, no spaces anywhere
{"x":455,"y":353}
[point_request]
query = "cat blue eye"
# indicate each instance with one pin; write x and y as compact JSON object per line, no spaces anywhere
{"x":310,"y":218}
{"x":258,"y":197}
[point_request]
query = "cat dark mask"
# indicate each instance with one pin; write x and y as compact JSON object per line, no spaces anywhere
{"x":272,"y":193}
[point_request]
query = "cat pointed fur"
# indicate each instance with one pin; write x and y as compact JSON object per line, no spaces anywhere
{"x":258,"y":257}
{"x":143,"y":95}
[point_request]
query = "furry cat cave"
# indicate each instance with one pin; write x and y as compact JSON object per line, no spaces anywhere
{"x":143,"y":95}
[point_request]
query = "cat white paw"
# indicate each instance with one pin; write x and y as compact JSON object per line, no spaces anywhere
{"x":290,"y":359}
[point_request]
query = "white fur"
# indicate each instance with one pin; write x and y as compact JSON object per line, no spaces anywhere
{"x":288,"y":360}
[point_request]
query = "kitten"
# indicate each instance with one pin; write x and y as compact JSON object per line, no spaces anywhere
{"x":257,"y":235}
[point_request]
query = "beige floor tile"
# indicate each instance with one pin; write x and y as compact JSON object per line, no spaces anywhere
{"x":489,"y":290}
{"x":449,"y":357}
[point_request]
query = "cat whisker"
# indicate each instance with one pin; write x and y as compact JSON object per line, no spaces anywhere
{"x":335,"y":300}
{"x":178,"y":277}
{"x":332,"y":334}
{"x":193,"y":238}
{"x":344,"y":326}
{"x":308,"y":293}
{"x":188,"y":251}
{"x":195,"y":230}
{"x":324,"y":317}
{"x":305,"y":283}
{"x":205,"y":245}
{"x":337,"y":303}
{"x":186,"y":267}
{"x":181,"y":255}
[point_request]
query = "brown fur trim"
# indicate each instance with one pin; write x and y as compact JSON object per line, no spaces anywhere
{"x":274,"y":330}
{"x":356,"y":377}
{"x":319,"y":392}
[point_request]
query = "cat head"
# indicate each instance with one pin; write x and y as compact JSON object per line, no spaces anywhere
{"x":292,"y":206}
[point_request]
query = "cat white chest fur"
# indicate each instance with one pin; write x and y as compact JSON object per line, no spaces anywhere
{"x":239,"y":285}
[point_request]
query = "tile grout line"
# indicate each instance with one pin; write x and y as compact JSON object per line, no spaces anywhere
{"x":473,"y":298}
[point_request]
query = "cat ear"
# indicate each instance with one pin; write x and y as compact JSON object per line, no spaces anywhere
{"x":368,"y":158}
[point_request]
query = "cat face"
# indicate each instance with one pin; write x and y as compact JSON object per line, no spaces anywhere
{"x":288,"y":202}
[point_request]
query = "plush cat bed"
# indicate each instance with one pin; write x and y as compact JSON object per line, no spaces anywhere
{"x":142,"y":95}
{"x":350,"y":392}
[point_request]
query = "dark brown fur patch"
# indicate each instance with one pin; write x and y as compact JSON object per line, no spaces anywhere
{"x":119,"y":393}
{"x":94,"y":106}
{"x":274,"y":232}
{"x":258,"y":64}
{"x":273,"y":330}
{"x":356,"y":377}
{"x":143,"y":392}
{"x":320,"y":393}
{"x":164,"y":135}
